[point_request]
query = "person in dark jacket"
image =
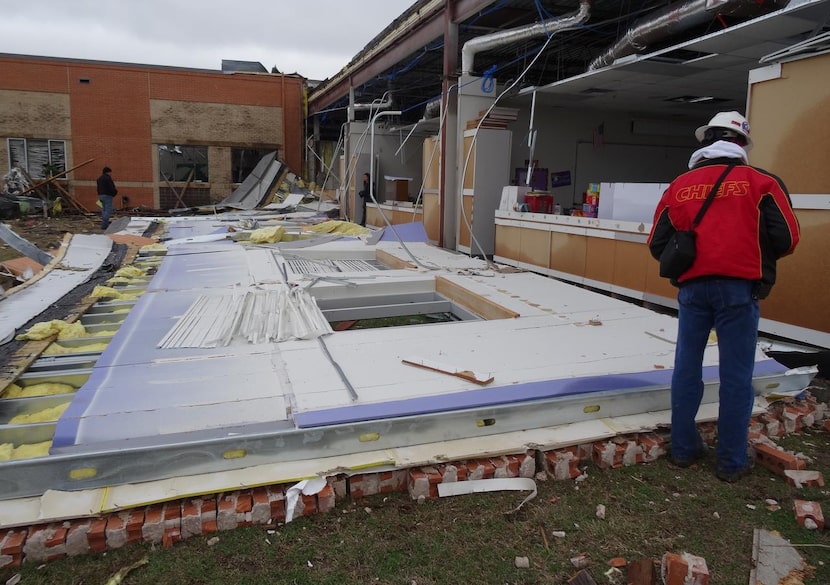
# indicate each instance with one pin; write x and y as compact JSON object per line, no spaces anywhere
{"x":748,"y":227}
{"x":106,"y":194}
{"x":365,"y":194}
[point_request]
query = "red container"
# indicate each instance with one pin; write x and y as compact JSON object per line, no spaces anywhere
{"x":539,"y":203}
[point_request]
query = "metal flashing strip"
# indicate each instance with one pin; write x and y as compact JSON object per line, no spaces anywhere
{"x":480,"y":398}
{"x":121,"y":462}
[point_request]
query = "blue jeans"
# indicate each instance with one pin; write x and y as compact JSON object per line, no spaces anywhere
{"x":729,"y":307}
{"x":106,"y":210}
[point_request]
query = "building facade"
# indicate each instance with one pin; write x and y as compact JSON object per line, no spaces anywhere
{"x":173,"y":137}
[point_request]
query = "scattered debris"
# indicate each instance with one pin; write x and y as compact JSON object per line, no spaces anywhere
{"x":583,"y":577}
{"x":119,"y":576}
{"x":801,"y":478}
{"x":600,"y":511}
{"x":808,"y":514}
{"x":522,"y":562}
{"x":683,"y":569}
{"x":212,"y":541}
{"x":615,"y":576}
{"x":475,"y":486}
{"x":641,"y":572}
{"x":775,"y":561}
{"x":469,"y":375}
{"x":580,"y":561}
{"x":618,"y":562}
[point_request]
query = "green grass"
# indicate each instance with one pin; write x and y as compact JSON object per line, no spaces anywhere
{"x":651,"y":509}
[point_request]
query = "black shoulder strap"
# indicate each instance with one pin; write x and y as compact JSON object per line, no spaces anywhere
{"x":711,"y":195}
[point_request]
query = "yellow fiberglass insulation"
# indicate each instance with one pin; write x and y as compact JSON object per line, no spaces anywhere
{"x":11,"y":391}
{"x":268,"y":235}
{"x":58,"y":349}
{"x":25,"y":451}
{"x":42,"y":389}
{"x":46,"y":329}
{"x":107,"y":292}
{"x":45,"y":415}
{"x":153,"y":248}
{"x":345,"y":228}
{"x":129,"y":272}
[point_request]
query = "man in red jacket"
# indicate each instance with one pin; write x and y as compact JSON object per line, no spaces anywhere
{"x":748,"y":227}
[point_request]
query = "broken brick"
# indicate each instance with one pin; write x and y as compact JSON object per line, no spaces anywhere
{"x":805,"y":509}
{"x":775,"y":459}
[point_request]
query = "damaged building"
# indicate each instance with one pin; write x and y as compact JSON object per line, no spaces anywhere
{"x":516,"y":163}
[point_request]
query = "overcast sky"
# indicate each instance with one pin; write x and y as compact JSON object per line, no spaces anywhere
{"x":315,"y":38}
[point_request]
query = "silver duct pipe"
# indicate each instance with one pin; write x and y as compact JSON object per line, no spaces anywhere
{"x":474,"y":46}
{"x":664,"y":23}
{"x":373,"y":107}
{"x":432,"y":109}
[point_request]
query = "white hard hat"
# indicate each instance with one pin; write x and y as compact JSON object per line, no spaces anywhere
{"x":730,"y":121}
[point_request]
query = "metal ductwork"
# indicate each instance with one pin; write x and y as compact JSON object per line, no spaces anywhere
{"x":671,"y":20}
{"x":375,"y":106}
{"x":474,"y":46}
{"x":432,"y":109}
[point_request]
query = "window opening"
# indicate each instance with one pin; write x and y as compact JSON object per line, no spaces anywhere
{"x":176,"y":163}
{"x":40,"y":158}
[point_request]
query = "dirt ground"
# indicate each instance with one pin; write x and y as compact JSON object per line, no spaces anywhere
{"x":47,"y":232}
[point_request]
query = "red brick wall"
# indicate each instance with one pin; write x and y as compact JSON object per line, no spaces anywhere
{"x":110,"y":114}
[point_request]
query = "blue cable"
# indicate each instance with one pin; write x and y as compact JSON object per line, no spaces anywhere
{"x":488,"y":82}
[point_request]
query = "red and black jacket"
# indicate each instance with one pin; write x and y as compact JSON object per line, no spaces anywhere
{"x":748,"y":227}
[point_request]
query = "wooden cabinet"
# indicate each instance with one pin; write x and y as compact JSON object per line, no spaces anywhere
{"x":432,"y":188}
{"x":485,"y":169}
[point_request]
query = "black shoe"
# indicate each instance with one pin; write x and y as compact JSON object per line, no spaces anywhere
{"x":733,"y":476}
{"x":684,"y":463}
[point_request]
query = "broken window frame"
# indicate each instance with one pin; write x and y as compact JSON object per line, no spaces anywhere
{"x":40,"y":152}
{"x":176,"y":160}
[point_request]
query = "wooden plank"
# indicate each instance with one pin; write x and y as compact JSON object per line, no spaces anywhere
{"x":58,"y":176}
{"x":481,"y":306}
{"x":393,"y":262}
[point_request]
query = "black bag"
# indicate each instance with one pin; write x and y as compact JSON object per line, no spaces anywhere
{"x":680,"y":251}
{"x":678,"y":255}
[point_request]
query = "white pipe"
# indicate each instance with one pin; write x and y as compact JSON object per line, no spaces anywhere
{"x":474,"y":46}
